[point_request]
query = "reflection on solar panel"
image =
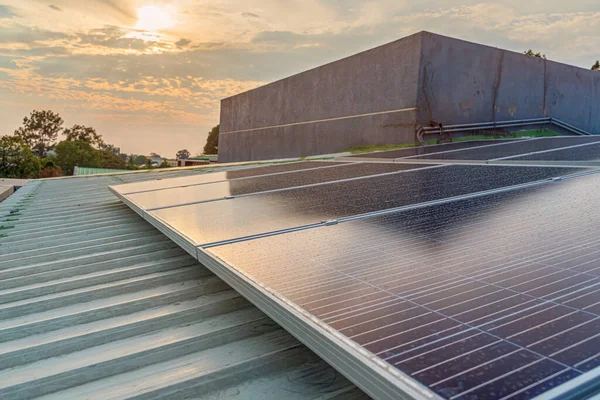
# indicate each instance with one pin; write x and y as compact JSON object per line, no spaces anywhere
{"x":223,"y":176}
{"x":447,"y":281}
{"x":261,"y":183}
{"x":245,"y":216}
{"x":511,"y":149}
{"x":477,"y":299}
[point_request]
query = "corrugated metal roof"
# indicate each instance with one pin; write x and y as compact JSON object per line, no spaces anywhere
{"x":96,"y":303}
{"x":96,"y":171}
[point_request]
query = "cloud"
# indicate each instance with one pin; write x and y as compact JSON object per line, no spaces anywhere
{"x":6,"y":12}
{"x":280,"y":37}
{"x":7,"y":62}
{"x":237,"y":63}
{"x":55,"y":8}
{"x":28,"y":35}
{"x":179,"y":100}
{"x":182,"y":43}
{"x":250,"y":15}
{"x":39,"y":51}
{"x":113,"y":37}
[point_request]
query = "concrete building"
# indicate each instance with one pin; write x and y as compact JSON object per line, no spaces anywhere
{"x":196,"y":161}
{"x":382,"y":96}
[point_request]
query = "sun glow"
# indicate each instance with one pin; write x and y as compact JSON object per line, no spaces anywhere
{"x":154,"y":18}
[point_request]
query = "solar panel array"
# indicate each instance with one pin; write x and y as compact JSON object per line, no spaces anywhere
{"x":513,"y":149}
{"x":432,"y":149}
{"x":561,"y":148}
{"x":472,"y":281}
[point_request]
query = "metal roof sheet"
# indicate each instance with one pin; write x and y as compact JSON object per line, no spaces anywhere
{"x":96,"y":303}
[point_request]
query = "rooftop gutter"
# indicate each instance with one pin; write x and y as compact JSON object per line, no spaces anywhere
{"x":508,"y":125}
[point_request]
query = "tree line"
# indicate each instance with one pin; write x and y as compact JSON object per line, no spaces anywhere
{"x":33,"y":150}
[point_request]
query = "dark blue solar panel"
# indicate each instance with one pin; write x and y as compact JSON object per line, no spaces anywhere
{"x":262,"y":183}
{"x":239,"y":217}
{"x":209,"y":177}
{"x":583,"y":153}
{"x":511,"y":149}
{"x":481,"y":298}
{"x":436,"y":148}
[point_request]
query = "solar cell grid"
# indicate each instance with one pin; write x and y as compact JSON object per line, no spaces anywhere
{"x":511,"y":149}
{"x":267,"y":212}
{"x":421,"y":150}
{"x":261,"y":183}
{"x":199,"y":179}
{"x":489,"y":297}
{"x":583,"y":153}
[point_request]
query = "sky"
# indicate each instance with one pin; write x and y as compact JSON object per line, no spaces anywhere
{"x":149,"y":75}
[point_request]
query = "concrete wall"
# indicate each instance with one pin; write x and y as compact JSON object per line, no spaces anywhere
{"x":463,"y":82}
{"x":573,"y":96}
{"x":317,"y":138}
{"x":448,"y":80}
{"x":378,"y":80}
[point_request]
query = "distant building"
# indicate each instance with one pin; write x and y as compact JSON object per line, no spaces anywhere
{"x":155,"y":160}
{"x":198,"y":160}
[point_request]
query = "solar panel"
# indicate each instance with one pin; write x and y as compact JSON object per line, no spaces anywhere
{"x":512,"y":149}
{"x":200,"y":179}
{"x":581,"y":153}
{"x":243,"y":186}
{"x":482,"y":298}
{"x":436,"y":148}
{"x":446,"y":281}
{"x":272,"y":211}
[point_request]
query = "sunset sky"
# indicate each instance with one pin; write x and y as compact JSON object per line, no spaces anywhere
{"x":148,"y":75}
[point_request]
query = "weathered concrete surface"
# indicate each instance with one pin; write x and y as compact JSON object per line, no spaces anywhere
{"x":377,"y":80}
{"x":448,"y":80}
{"x":8,"y":186}
{"x":317,"y":138}
{"x":13,"y":182}
{"x":573,"y":95}
{"x":5,"y":191}
{"x":463,"y":82}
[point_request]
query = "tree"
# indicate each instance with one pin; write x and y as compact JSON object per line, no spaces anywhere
{"x":532,"y":54}
{"x":115,"y":150}
{"x":154,"y":155}
{"x":111,"y":161}
{"x":76,"y":153}
{"x":84,"y":134}
{"x":40,"y":130}
{"x":16,"y":159}
{"x":596,"y":66}
{"x":48,"y":168}
{"x":164,"y":164}
{"x":212,"y":141}
{"x":140,"y":160}
{"x":182,"y":154}
{"x":131,"y":162}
